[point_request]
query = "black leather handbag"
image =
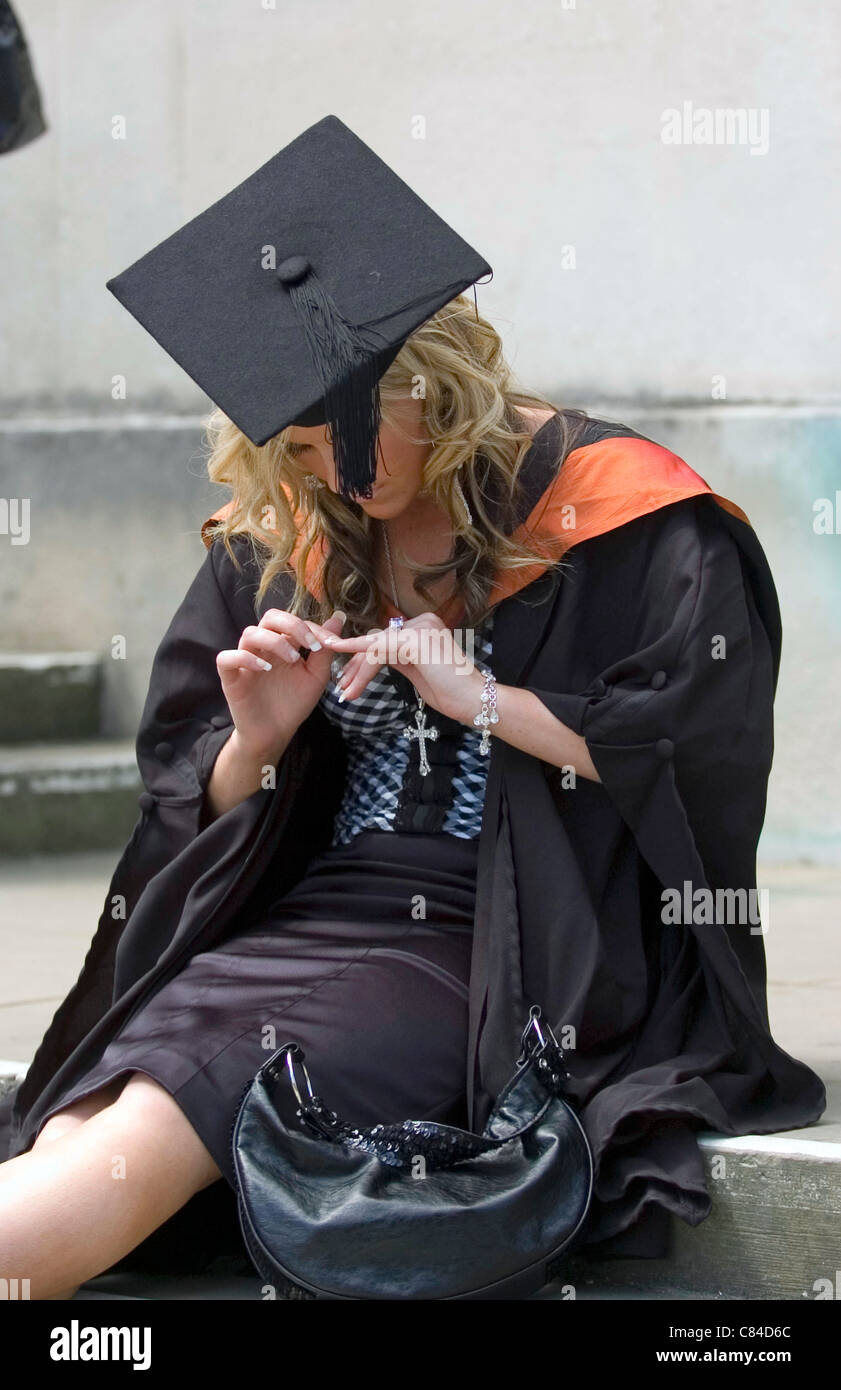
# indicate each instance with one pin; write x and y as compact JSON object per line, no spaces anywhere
{"x":416,"y":1210}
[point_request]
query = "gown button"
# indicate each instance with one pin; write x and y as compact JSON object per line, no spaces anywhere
{"x":664,"y":748}
{"x":658,"y":680}
{"x":599,"y":686}
{"x":219,"y":721}
{"x":164,"y":751}
{"x":145,"y":801}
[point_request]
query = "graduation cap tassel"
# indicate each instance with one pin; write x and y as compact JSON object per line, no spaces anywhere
{"x":347,"y":369}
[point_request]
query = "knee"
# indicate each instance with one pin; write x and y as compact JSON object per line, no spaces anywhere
{"x":143,"y":1093}
{"x":64,"y":1122}
{"x":71,"y":1116}
{"x":150,"y":1105}
{"x":55,"y":1127}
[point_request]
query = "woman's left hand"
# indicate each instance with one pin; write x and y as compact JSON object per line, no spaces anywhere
{"x":447,"y":679}
{"x":425,"y":650}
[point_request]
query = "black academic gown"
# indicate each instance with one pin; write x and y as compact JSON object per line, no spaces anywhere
{"x":667,"y":1024}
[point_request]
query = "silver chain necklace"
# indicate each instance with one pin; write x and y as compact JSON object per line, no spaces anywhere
{"x":420,"y":731}
{"x":394,"y":592}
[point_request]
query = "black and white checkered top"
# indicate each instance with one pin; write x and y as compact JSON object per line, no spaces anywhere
{"x":384,"y":789}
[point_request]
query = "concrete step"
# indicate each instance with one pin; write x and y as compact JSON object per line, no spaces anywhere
{"x":67,"y":796}
{"x":49,"y":695}
{"x":241,"y":1287}
{"x":773,"y":1228}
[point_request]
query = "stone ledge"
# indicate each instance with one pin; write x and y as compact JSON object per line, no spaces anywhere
{"x":68,"y":796}
{"x":48,"y":695}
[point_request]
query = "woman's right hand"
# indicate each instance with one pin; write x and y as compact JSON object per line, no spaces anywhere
{"x":269,"y":687}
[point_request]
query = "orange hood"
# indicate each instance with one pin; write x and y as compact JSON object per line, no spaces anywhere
{"x":603,"y":483}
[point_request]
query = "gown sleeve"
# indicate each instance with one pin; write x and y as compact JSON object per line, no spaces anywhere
{"x":676,"y":702}
{"x":664,"y":655}
{"x":185,"y":719}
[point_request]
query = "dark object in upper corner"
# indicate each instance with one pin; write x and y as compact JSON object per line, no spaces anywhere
{"x":21,"y":116}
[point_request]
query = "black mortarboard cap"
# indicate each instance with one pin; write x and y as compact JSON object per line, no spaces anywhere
{"x":288,"y":299}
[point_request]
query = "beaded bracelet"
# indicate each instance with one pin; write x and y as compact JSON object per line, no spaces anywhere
{"x":488,"y":714}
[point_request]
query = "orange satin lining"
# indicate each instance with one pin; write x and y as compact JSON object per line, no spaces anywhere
{"x":600,"y":487}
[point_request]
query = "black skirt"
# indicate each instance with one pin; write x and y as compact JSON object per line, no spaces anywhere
{"x":365,"y":962}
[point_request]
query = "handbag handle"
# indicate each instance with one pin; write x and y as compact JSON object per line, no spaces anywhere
{"x":399,"y":1145}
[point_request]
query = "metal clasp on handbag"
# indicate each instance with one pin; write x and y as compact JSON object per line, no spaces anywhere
{"x":539,"y":1044}
{"x":295,"y":1053}
{"x":311,"y":1109}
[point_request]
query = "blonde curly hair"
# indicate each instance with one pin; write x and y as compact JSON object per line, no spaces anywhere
{"x":454,"y":363}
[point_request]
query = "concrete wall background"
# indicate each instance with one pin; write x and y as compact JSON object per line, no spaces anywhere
{"x":543,"y":131}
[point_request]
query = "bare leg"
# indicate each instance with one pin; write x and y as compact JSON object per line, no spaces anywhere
{"x":71,"y":1207}
{"x":67,"y":1119}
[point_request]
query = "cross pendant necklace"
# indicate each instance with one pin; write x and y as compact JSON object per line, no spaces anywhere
{"x":420,"y":731}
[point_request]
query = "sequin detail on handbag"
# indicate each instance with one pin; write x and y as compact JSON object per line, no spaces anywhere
{"x":400,"y":1145}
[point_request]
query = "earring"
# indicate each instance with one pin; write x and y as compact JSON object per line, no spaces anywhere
{"x":460,"y":491}
{"x":311,"y":481}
